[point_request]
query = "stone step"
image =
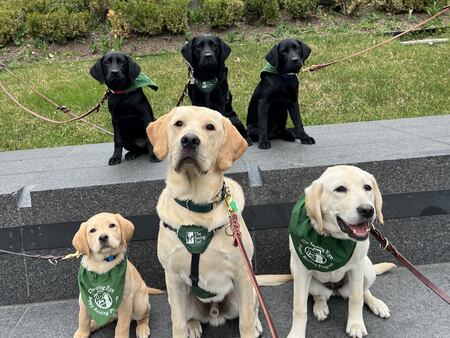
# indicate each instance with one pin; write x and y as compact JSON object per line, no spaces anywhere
{"x":416,"y":312}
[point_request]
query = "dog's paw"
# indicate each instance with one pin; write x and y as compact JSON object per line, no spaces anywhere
{"x":114,"y":160}
{"x":130,"y":156}
{"x":379,"y":308}
{"x":286,"y":135}
{"x":142,"y":331}
{"x":153,"y":158}
{"x":356,"y":329}
{"x":194,"y":328}
{"x":306,"y":139}
{"x":80,"y":334}
{"x":258,"y":328}
{"x":320,"y":308}
{"x":264,"y":145}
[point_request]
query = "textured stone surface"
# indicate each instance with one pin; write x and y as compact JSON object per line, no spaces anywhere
{"x":415,"y":313}
{"x":13,"y":280}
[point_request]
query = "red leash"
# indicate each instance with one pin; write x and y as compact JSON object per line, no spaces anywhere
{"x":236,"y":229}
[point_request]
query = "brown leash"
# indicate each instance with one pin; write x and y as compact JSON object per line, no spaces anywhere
{"x":51,"y":259}
{"x":386,"y":245}
{"x":62,"y":108}
{"x":320,"y":66}
{"x":189,"y":81}
{"x":236,"y":230}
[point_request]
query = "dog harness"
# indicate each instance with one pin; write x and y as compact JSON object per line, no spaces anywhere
{"x":317,"y":252}
{"x":141,"y":81}
{"x":102,"y":293}
{"x":268,"y":68}
{"x":196,"y":239}
{"x":208,"y":86}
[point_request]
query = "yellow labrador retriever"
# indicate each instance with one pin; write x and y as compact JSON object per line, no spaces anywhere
{"x":110,"y":286}
{"x":329,"y":231}
{"x":205,"y":274}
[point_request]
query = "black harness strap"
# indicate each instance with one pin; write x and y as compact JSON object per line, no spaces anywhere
{"x":195,"y":265}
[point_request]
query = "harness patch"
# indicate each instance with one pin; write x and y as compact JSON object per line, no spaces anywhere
{"x":206,"y":86}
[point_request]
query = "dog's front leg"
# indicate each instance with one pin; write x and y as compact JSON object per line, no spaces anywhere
{"x":248,"y":327}
{"x":302,"y":281}
{"x":84,"y":322}
{"x":124,"y":318}
{"x":116,"y":158}
{"x":294,"y":112}
{"x":177,"y":293}
{"x":355,"y":322}
{"x":263,"y":116}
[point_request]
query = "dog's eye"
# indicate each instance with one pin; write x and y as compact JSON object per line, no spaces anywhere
{"x":367,"y":187}
{"x":210,"y":127}
{"x":112,"y":225}
{"x":341,"y":189}
{"x":178,"y":123}
{"x":93,"y":230}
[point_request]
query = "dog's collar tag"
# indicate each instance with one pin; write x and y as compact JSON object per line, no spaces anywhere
{"x":102,"y":293}
{"x":317,"y":252}
{"x":206,"y":86}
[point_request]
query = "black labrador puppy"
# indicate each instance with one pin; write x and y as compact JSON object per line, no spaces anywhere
{"x":130,"y":110}
{"x":209,"y":87}
{"x":277,"y":94}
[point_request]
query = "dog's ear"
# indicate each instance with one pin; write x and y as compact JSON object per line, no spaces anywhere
{"x":378,"y":200}
{"x":186,"y":51}
{"x":272,"y":56}
{"x":80,"y":242}
{"x":157,"y":134}
{"x":225,"y":50}
{"x":96,"y":71}
{"x":233,"y":146}
{"x":305,"y":51}
{"x":126,"y":228}
{"x":133,"y":69}
{"x":313,"y":193}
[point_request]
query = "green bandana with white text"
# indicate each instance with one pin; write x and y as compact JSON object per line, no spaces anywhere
{"x":103,"y":293}
{"x":317,"y":252}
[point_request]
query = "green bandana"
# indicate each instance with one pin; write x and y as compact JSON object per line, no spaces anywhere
{"x":317,"y":252}
{"x":103,"y":293}
{"x":207,"y":86}
{"x":142,"y":81}
{"x":268,"y":68}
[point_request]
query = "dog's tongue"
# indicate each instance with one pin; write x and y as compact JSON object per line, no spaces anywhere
{"x":359,"y":230}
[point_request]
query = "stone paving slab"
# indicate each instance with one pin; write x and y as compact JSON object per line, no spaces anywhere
{"x":415,"y":313}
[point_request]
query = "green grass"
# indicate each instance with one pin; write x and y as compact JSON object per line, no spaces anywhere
{"x":394,"y":81}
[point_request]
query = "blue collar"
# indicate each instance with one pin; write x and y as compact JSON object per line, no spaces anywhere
{"x":110,"y":258}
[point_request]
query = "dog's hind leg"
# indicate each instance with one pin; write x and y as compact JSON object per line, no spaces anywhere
{"x":194,"y":328}
{"x":141,"y":312}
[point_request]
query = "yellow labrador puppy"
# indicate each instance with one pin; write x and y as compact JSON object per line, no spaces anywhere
{"x":206,"y":277}
{"x":110,"y":286}
{"x":329,"y":231}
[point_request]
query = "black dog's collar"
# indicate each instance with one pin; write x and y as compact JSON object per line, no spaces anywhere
{"x":203,"y":208}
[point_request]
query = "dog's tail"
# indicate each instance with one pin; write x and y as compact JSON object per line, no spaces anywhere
{"x":273,"y":280}
{"x":381,"y":268}
{"x":152,"y":291}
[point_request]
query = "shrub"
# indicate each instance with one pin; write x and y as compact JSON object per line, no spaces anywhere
{"x":398,"y":6}
{"x":100,"y":8}
{"x":143,"y":16}
{"x":175,"y":15}
{"x":223,"y":13}
{"x":9,"y":22}
{"x":349,"y":6}
{"x":266,"y":10}
{"x":58,"y":26}
{"x":300,"y":8}
{"x":120,"y":27}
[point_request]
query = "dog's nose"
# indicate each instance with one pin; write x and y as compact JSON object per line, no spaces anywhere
{"x":208,"y":54}
{"x":103,"y":238}
{"x":365,"y":211}
{"x":114,"y":71}
{"x":295,"y":58}
{"x":190,"y":141}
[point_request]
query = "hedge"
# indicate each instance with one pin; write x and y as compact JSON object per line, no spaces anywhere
{"x":268,"y":11}
{"x":222,"y":13}
{"x":300,"y":8}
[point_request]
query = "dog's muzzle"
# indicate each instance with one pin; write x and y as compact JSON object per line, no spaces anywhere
{"x":359,"y":231}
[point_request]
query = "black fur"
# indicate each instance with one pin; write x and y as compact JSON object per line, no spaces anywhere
{"x":131,"y":112}
{"x":276,"y":95}
{"x":207,"y":54}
